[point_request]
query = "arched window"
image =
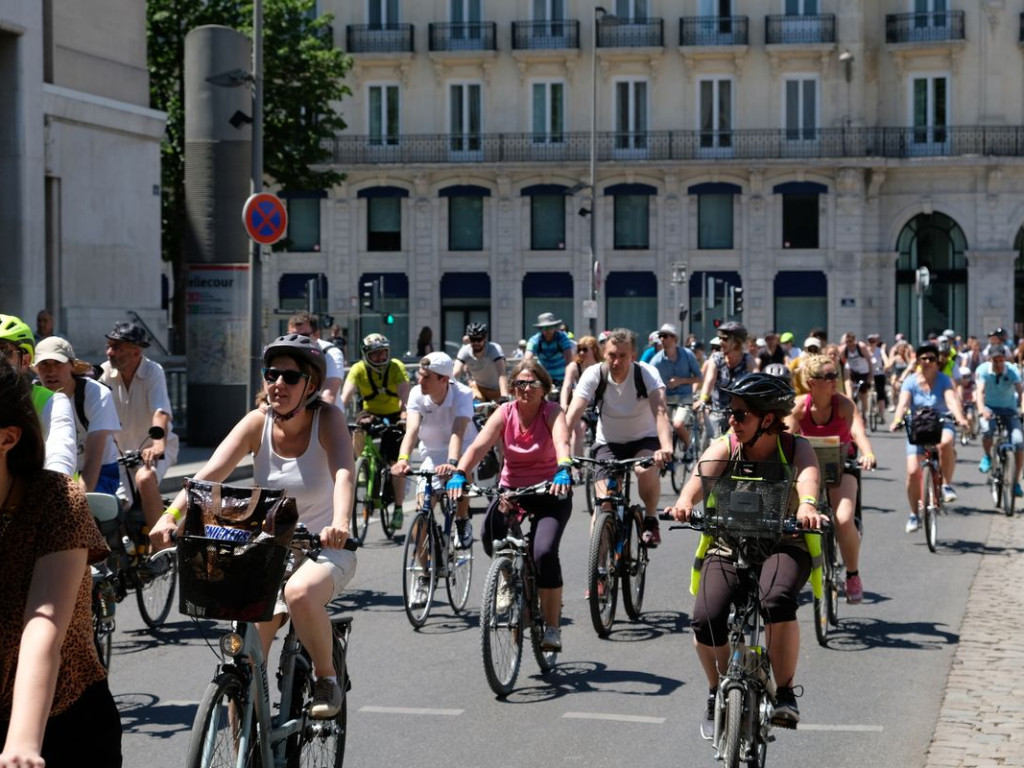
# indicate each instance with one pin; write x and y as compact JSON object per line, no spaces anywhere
{"x":935,"y":241}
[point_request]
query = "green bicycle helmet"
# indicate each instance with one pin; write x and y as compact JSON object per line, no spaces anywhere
{"x":14,"y":330}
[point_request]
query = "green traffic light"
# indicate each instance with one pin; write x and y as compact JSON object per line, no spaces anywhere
{"x":390,"y":319}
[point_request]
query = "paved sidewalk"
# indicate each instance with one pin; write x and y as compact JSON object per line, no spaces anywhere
{"x":981,"y":722}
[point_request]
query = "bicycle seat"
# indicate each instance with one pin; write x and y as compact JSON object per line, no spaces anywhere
{"x":104,"y":506}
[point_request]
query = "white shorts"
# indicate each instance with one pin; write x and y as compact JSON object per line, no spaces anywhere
{"x":341,"y":563}
{"x":683,"y":413}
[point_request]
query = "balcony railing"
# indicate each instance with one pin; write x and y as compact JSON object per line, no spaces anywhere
{"x":377,"y":38}
{"x":931,"y":27}
{"x":545,"y":35}
{"x":713,"y":30}
{"x":631,"y":33}
{"x":463,"y":36}
{"x":800,"y":30}
{"x":768,"y":144}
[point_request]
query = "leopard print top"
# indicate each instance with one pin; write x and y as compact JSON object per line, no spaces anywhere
{"x":49,"y":513}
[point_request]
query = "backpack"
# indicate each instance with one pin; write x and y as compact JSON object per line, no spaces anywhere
{"x":80,"y":386}
{"x":602,"y":385}
{"x":925,"y":427}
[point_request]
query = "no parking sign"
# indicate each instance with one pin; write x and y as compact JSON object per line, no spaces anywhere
{"x":265,"y":218}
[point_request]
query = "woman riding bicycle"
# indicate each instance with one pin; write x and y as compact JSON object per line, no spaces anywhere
{"x":928,"y":388}
{"x":825,"y":412}
{"x":535,"y":440}
{"x":587,"y":354}
{"x":758,"y":406}
{"x":722,"y":370}
{"x":302,"y":446}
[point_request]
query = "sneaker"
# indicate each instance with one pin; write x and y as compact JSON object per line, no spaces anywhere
{"x":786,"y":714}
{"x":707,"y":723}
{"x":464,"y":529}
{"x":420,"y":594}
{"x":854,"y":590}
{"x":652,"y":532}
{"x":688,"y":454}
{"x":397,"y":518}
{"x":326,"y":699}
{"x":985,"y":464}
{"x":552,"y":639}
{"x":891,"y":409}
{"x":948,"y":494}
{"x":913,"y":523}
{"x":504,"y":597}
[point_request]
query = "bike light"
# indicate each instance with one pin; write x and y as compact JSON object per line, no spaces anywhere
{"x":231,"y":644}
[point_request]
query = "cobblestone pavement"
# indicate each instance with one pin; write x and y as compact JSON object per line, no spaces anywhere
{"x":981,"y":722}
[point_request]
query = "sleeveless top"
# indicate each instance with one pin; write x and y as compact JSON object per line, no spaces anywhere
{"x":307,"y":477}
{"x":727,"y":376}
{"x":529,"y":453}
{"x":834,"y":425}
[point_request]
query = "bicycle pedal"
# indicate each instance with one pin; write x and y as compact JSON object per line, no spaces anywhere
{"x":784,"y":723}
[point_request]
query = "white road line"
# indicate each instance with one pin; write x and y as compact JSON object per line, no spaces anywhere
{"x":412,"y":711}
{"x":617,"y":718}
{"x":851,"y":728}
{"x":173,"y":703}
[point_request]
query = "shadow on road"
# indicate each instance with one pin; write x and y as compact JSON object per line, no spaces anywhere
{"x":864,"y":634}
{"x":143,"y":713}
{"x":592,"y":677}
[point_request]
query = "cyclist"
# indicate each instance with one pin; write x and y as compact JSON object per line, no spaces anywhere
{"x":928,"y":388}
{"x":825,"y":412}
{"x":879,"y":363}
{"x":440,"y":423}
{"x":1000,"y":394}
{"x":997,"y":337}
{"x":302,"y":445}
{"x":679,"y":369}
{"x":383,"y":385}
{"x":857,"y":360}
{"x":627,"y":427}
{"x":485,"y":362}
{"x":771,"y":352}
{"x":968,"y":398}
{"x":309,"y":325}
{"x":722,"y":369}
{"x":551,"y":346}
{"x":758,"y":405}
{"x":588,"y":353}
{"x":535,"y":439}
{"x":17,"y":345}
{"x":96,"y":420}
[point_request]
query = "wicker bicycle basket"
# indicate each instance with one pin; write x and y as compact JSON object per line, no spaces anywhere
{"x":748,"y":499}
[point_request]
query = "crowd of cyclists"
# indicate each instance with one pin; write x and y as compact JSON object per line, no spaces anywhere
{"x":754,"y":397}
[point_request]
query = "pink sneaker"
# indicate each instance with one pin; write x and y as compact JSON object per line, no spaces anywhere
{"x":854,"y":590}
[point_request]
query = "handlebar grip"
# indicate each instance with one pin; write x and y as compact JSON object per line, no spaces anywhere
{"x":352,"y":543}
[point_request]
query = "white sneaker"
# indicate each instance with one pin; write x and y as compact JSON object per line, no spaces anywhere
{"x":552,"y":639}
{"x":913,"y":523}
{"x":948,"y":494}
{"x":503,"y":599}
{"x":420,"y":594}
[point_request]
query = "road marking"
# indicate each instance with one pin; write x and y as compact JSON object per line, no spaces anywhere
{"x":412,"y":711}
{"x":851,"y":728}
{"x":173,"y":703}
{"x":617,"y":718}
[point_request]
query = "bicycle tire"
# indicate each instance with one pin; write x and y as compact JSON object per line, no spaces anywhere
{"x":602,"y":580}
{"x":419,"y":549}
{"x":546,"y":660}
{"x":634,"y":565}
{"x":677,"y":469}
{"x":501,"y":628}
{"x":873,"y":415}
{"x":730,"y":746}
{"x":362,"y":503}
{"x":157,"y":577}
{"x":386,"y":505}
{"x":931,"y":501}
{"x":458,"y":570}
{"x":214,"y":741}
{"x":588,"y":484}
{"x":1008,"y":475}
{"x":319,"y":743}
{"x":833,"y":568}
{"x":822,"y":620}
{"x":995,"y":482}
{"x":102,"y":636}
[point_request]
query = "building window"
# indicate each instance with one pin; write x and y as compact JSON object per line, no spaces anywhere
{"x":715,"y":113}
{"x":930,"y":108}
{"x":631,"y":10}
{"x":714,"y":221}
{"x":801,"y":109}
{"x":547,"y":222}
{"x":548,"y":113}
{"x":801,"y":7}
{"x":799,"y":221}
{"x":383,"y":13}
{"x":303,"y":224}
{"x":631,"y":114}
{"x":632,"y":222}
{"x":464,"y":117}
{"x":384,"y":127}
{"x":384,"y":224}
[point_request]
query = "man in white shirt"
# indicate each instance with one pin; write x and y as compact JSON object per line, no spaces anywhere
{"x":96,"y":420}
{"x":309,"y":325}
{"x":632,"y":423}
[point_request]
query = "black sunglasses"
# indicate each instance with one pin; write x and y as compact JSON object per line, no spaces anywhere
{"x":928,"y":359}
{"x":477,"y":338}
{"x":738,"y":414}
{"x":524,"y":384}
{"x":665,"y":335}
{"x":291,"y":378}
{"x":827,"y":376}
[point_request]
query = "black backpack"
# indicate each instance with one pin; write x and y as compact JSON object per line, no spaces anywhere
{"x":602,"y":385}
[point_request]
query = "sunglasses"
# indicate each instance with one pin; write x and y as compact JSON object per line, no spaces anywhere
{"x":738,"y":414}
{"x":927,"y":359}
{"x":524,"y":384}
{"x":827,"y":376}
{"x":476,"y":339}
{"x":291,"y":378}
{"x":665,"y":335}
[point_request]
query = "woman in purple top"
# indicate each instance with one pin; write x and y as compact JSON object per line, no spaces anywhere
{"x":535,"y":440}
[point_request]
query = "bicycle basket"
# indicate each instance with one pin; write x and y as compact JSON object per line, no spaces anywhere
{"x":238,"y":513}
{"x":828,"y":451}
{"x":925,"y":427}
{"x":229,"y":580}
{"x":746,"y":498}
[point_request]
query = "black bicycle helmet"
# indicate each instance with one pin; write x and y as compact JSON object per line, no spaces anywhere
{"x":737,"y":330}
{"x":763,"y":393}
{"x":476,"y":329}
{"x":300,"y":348}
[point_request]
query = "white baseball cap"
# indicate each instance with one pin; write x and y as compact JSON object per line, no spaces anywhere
{"x":439,"y":363}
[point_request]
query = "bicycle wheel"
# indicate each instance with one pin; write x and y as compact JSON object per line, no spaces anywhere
{"x":419,"y":572}
{"x":102,"y":632}
{"x":546,"y":660}
{"x":501,"y":627}
{"x":320,"y":743}
{"x":458,"y":573}
{"x":601,"y":576}
{"x":157,"y":577}
{"x":830,"y":576}
{"x":386,"y":504}
{"x":730,"y":746}
{"x":822,"y":619}
{"x":216,"y":739}
{"x":931,"y":500}
{"x":588,"y":483}
{"x":362,"y":502}
{"x":873,"y":412}
{"x":677,"y":469}
{"x":634,"y":565}
{"x":1008,"y":475}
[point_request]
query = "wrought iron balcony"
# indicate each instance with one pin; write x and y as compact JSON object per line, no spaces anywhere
{"x":463,"y":36}
{"x":545,"y":35}
{"x":713,"y":30}
{"x":931,"y":27}
{"x":631,"y":33}
{"x":689,"y":145}
{"x":379,"y":38}
{"x":800,"y":30}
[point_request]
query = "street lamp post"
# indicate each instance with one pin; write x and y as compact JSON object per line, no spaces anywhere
{"x":600,"y":16}
{"x":255,"y":252}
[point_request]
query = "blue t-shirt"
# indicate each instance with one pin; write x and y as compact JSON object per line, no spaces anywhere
{"x":685,"y":366}
{"x":551,"y":354}
{"x":648,"y":354}
{"x":1000,"y":389}
{"x":935,"y":399}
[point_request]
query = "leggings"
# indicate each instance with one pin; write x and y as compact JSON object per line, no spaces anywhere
{"x":551,"y":515}
{"x":781,"y":577}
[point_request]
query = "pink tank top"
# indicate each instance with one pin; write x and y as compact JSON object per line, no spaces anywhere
{"x":529,"y":453}
{"x":834,"y":426}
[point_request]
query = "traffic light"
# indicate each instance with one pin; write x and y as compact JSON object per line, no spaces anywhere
{"x":683,"y":312}
{"x":389,"y":319}
{"x":717,"y":322}
{"x":369,"y":295}
{"x":737,"y":300}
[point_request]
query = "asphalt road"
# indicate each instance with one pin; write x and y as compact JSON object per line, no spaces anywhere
{"x":420,"y":698}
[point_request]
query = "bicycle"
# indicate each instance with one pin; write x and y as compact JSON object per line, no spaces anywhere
{"x":970,"y":432}
{"x":432,"y":552}
{"x":617,"y":549}
{"x":676,"y":467}
{"x":1001,"y":475}
{"x":874,"y":419}
{"x":488,"y":470}
{"x":372,"y":488}
{"x":234,"y":724}
{"x":930,"y":504}
{"x":511,"y":600}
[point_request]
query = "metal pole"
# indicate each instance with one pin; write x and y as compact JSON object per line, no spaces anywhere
{"x":255,"y":253}
{"x":598,"y":12}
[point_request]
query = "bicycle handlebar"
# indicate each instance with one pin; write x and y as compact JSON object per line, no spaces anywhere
{"x":303,"y":535}
{"x":509,"y":493}
{"x":645,"y":461}
{"x":698,"y":522}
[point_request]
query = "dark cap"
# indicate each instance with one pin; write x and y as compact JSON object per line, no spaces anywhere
{"x":133,"y":333}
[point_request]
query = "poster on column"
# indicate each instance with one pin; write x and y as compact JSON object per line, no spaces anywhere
{"x":217,"y":304}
